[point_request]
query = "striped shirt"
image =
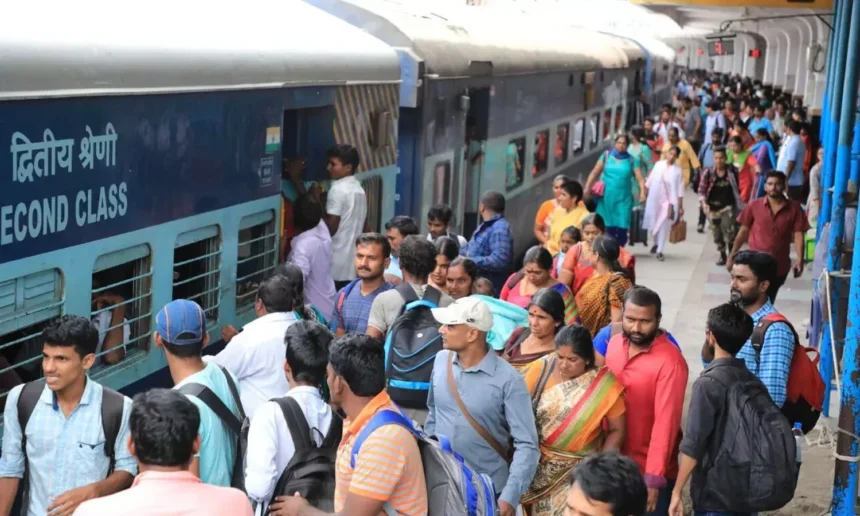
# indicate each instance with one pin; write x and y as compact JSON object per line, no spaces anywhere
{"x":388,"y":467}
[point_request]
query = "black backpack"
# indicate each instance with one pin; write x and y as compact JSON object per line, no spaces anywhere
{"x":238,"y":425}
{"x":311,"y":471}
{"x":754,"y":468}
{"x":411,"y":346}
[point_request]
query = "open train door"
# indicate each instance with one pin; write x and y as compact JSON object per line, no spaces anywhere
{"x":472,"y":160}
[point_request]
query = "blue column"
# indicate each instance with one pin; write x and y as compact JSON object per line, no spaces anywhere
{"x":845,"y":481}
{"x":827,"y":116}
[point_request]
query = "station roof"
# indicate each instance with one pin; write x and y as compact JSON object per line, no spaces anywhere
{"x":705,"y":16}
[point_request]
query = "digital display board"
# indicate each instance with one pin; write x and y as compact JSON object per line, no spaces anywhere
{"x":723,"y":47}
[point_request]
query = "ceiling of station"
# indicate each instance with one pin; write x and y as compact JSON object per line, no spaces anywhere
{"x":709,"y":19}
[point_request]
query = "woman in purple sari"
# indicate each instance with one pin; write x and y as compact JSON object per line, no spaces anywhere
{"x":762,"y":151}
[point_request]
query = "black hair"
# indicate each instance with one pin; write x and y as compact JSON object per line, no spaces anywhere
{"x":405,"y":225}
{"x":761,"y":131}
{"x":307,"y":213}
{"x":550,"y":301}
{"x":447,"y":247}
{"x":673,"y":130}
{"x":417,"y":256}
{"x":719,"y":148}
{"x":347,"y":154}
{"x":775,"y":173}
{"x":293,"y":273}
{"x":573,"y":232}
{"x":440,"y":212}
{"x":763,"y":265}
{"x":594,"y":219}
{"x":714,"y":105}
{"x":675,"y":148}
{"x":183,"y":350}
{"x":737,"y":140}
{"x":72,"y":331}
{"x":276,"y":294}
{"x":624,"y":137}
{"x":360,"y":361}
{"x":645,"y":297}
{"x":731,"y":326}
{"x":539,"y":256}
{"x":573,"y":189}
{"x":794,"y":125}
{"x":578,"y":339}
{"x":613,"y":479}
{"x":638,"y":132}
{"x":468,"y":265}
{"x":608,"y":251}
{"x":717,"y":131}
{"x":164,"y":424}
{"x":307,"y":345}
{"x":375,"y":239}
{"x":494,"y":201}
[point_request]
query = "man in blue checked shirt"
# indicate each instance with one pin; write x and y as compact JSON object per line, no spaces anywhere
{"x":65,"y":456}
{"x":752,"y":273}
{"x":492,"y":244}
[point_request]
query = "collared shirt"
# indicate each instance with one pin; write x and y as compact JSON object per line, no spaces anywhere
{"x":655,"y":382}
{"x":774,"y":232}
{"x":64,"y":452}
{"x":691,"y":118}
{"x":492,"y":249}
{"x":311,"y":251}
{"x":775,"y":362}
{"x":347,"y":200}
{"x":498,"y":399}
{"x":256,"y":358}
{"x":270,"y":444}
{"x":169,"y":493}
{"x":354,"y":313}
{"x":715,"y":119}
{"x":388,"y":467}
{"x":792,"y":150}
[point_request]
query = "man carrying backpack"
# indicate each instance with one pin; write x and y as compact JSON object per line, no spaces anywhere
{"x":731,"y":415}
{"x":290,"y":434}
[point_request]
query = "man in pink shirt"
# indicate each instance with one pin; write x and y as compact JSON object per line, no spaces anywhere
{"x":164,"y":438}
{"x":654,"y":375}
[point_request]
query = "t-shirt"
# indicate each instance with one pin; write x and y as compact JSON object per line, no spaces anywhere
{"x":691,"y":118}
{"x":347,"y":200}
{"x":387,"y":306}
{"x":217,"y":443}
{"x":721,"y":194}
{"x":102,"y":323}
{"x":793,"y":150}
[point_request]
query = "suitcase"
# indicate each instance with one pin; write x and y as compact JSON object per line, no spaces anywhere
{"x":637,"y":234}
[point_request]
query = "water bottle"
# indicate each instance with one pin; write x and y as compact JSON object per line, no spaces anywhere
{"x":797,"y":431}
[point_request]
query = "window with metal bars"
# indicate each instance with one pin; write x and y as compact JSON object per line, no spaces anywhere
{"x":373,"y":190}
{"x":122,"y":304}
{"x":197,"y":270}
{"x":258,"y":254}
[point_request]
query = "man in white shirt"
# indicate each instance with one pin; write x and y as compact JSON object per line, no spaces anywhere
{"x":346,"y":212}
{"x":255,"y":355}
{"x":662,"y":127}
{"x":270,"y":444}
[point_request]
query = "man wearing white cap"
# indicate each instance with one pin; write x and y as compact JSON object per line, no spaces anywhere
{"x":481,"y":403}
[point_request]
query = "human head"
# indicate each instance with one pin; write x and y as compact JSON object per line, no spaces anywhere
{"x":274,"y":295}
{"x":674,"y":137}
{"x":759,"y":111}
{"x":438,"y":218}
{"x":621,"y":143}
{"x":372,"y":255}
{"x":356,"y":368}
{"x":637,"y":133}
{"x":665,"y":115}
{"x":761,"y":134}
{"x":792,"y":127}
{"x":343,"y":161}
{"x":781,"y":108}
{"x":307,"y":344}
{"x":774,"y":185}
{"x":640,"y":315}
{"x":570,"y":237}
{"x":717,"y":136}
{"x":728,"y":327}
{"x":164,"y":426}
{"x":492,"y":204}
{"x":713,"y":107}
{"x":575,"y":351}
{"x":417,"y":258}
{"x":546,"y":313}
{"x":537,"y":265}
{"x":447,"y":249}
{"x":181,"y":329}
{"x":736,"y":143}
{"x":719,"y":157}
{"x":820,"y":154}
{"x":688,"y":102}
{"x":465,"y":323}
{"x":462,"y":273}
{"x":648,"y":125}
{"x":307,"y":213}
{"x":557,"y":181}
{"x":592,"y":227}
{"x":68,"y":351}
{"x":674,"y":152}
{"x":605,"y":251}
{"x":607,"y":484}
{"x":752,"y":274}
{"x":397,"y":229}
{"x":570,"y":195}
{"x":483,"y":287}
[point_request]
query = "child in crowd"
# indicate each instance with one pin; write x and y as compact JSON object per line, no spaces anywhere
{"x":483,"y":287}
{"x":569,"y":237}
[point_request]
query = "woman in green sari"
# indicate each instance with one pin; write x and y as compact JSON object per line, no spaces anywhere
{"x":579,"y":410}
{"x":640,"y":150}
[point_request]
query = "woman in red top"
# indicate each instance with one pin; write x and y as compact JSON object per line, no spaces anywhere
{"x":535,"y":275}
{"x":577,"y":267}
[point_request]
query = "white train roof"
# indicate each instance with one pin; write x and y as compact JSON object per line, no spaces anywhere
{"x":102,"y":47}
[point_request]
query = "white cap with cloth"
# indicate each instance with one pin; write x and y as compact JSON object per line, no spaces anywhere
{"x":469,"y":311}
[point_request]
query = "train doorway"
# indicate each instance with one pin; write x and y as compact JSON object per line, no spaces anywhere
{"x":471,"y":160}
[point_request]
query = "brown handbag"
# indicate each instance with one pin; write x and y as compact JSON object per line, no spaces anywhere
{"x":494,"y":444}
{"x":678,"y":233}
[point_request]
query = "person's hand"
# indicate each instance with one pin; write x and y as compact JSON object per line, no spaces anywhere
{"x":288,"y":505}
{"x":681,"y":213}
{"x":706,"y":209}
{"x":653,"y":494}
{"x":295,"y":167}
{"x":797,"y":268}
{"x":671,"y":212}
{"x":506,"y":509}
{"x":228,"y":332}
{"x":730,"y":261}
{"x":66,"y":503}
{"x":676,"y":508}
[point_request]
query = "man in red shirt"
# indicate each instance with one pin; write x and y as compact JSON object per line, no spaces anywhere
{"x":771,"y":223}
{"x":654,"y":375}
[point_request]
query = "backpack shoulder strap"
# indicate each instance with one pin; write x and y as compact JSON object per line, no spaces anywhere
{"x":344,"y":294}
{"x":335,"y":432}
{"x":27,"y":400}
{"x":757,"y":339}
{"x":382,"y":418}
{"x":296,"y":423}
{"x":407,"y":293}
{"x":113,"y":404}
{"x":516,"y":278}
{"x":212,"y":401}
{"x":432,"y":295}
{"x":234,"y":391}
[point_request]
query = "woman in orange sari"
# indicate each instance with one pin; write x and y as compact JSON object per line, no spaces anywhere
{"x":577,"y":266}
{"x":579,"y":410}
{"x":601,"y":297}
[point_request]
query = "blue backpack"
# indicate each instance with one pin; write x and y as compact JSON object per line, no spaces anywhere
{"x":453,"y":487}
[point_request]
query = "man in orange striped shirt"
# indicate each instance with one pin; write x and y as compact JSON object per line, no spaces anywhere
{"x":388,"y":472}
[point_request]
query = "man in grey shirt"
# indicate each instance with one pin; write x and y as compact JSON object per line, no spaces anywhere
{"x":495,"y":397}
{"x":692,"y":124}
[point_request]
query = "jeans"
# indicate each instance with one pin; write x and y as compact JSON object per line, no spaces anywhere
{"x":664,"y":500}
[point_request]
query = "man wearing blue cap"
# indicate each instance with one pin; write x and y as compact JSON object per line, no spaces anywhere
{"x":181,"y":333}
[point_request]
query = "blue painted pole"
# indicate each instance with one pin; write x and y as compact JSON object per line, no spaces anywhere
{"x":826,"y":115}
{"x":845,"y":481}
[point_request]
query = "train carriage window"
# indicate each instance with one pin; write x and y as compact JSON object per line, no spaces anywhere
{"x":442,"y":182}
{"x":27,"y":304}
{"x":122,"y":304}
{"x":591,"y":130}
{"x":607,"y":125}
{"x":541,"y":154}
{"x":562,"y":139}
{"x":578,"y":137}
{"x":515,"y":159}
{"x":258,"y":254}
{"x":620,"y":120}
{"x":197,"y":270}
{"x":373,"y":190}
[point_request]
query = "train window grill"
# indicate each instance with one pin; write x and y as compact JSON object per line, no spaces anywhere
{"x":122,"y":280}
{"x":562,"y":139}
{"x":541,"y":153}
{"x":578,"y":137}
{"x":591,"y":130}
{"x":442,"y":183}
{"x":197,"y":270}
{"x":258,"y":255}
{"x":607,"y":125}
{"x":515,"y":158}
{"x":373,"y":190}
{"x":620,"y":119}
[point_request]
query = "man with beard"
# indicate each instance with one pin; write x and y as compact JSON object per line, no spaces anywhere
{"x":353,"y":302}
{"x":770,"y":224}
{"x":654,"y":374}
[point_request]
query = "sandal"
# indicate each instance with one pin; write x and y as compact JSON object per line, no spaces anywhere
{"x":660,"y":257}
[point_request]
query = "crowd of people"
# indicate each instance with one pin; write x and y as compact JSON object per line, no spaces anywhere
{"x":555,"y":382}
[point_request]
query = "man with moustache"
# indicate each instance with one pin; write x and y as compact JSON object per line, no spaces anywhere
{"x":654,"y":374}
{"x":353,"y":302}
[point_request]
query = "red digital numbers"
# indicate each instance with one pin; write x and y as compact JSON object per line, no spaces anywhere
{"x":755,"y":53}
